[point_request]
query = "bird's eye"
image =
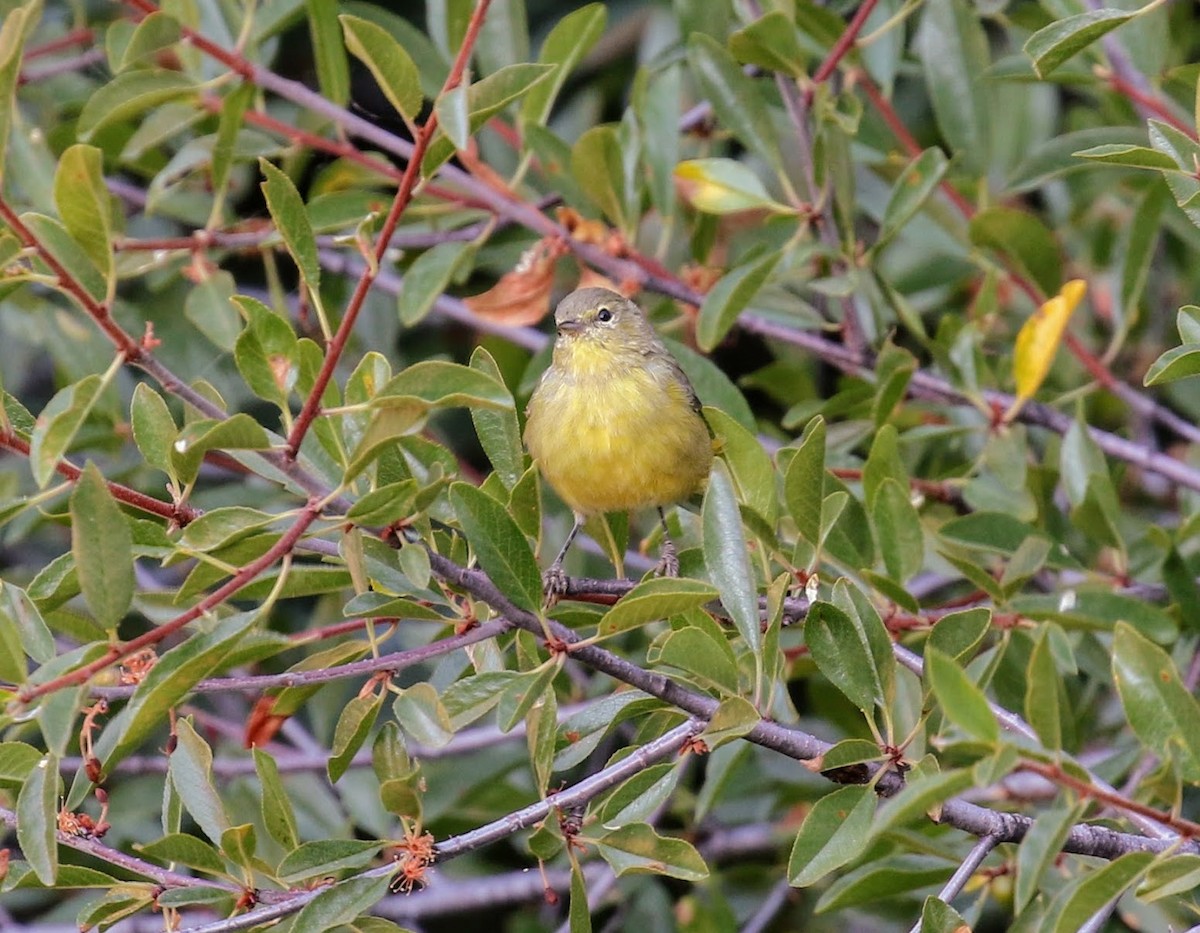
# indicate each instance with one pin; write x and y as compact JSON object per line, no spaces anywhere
{"x":604,"y":315}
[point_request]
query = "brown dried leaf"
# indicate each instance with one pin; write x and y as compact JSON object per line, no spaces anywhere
{"x":522,"y":296}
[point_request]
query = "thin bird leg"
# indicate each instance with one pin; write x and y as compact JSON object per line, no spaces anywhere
{"x":554,"y":581}
{"x":668,"y":563}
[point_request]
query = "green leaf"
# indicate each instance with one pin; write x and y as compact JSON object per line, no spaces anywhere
{"x":388,"y":62}
{"x":1042,"y":701}
{"x":638,"y":848}
{"x":102,"y":546}
{"x":726,"y":558}
{"x":804,"y":482}
{"x":954,"y":55}
{"x":37,"y":819}
{"x":734,"y":97}
{"x":237,"y":432}
{"x":565,"y":47}
{"x":1170,"y":875}
{"x":427,"y":278}
{"x":385,"y":504}
{"x":898,"y":531}
{"x":130,"y":94}
{"x":354,"y":722}
{"x":1176,"y":363}
{"x":190,"y":771}
{"x":640,"y":796}
{"x":498,"y":431}
{"x":16,"y":25}
{"x":910,"y":191}
{"x":223,"y":526}
{"x":1024,"y":240}
{"x":436,"y":382}
{"x":701,"y":648}
{"x":654,"y":599}
{"x":1079,"y":901}
{"x":723,"y":186}
{"x":325,"y":857}
{"x":329,"y":54}
{"x":733,"y":719}
{"x":153,"y":427}
{"x":772,"y":43}
{"x":1162,"y":712}
{"x":961,"y":701}
{"x":958,"y":634}
{"x":729,"y":298}
{"x":292,"y":223}
{"x":842,"y":649}
{"x":84,"y":204}
{"x":21,"y":612}
{"x":168,"y":682}
{"x":423,"y":716}
{"x":598,"y":165}
{"x":54,"y":237}
{"x":748,"y":462}
{"x":939,"y":917}
{"x":1127,"y":155}
{"x":342,"y":903}
{"x":501,"y":549}
{"x":920,"y":797}
{"x":278,"y":816}
{"x":1039,"y":850}
{"x":834,"y":832}
{"x":1052,"y":45}
{"x":488,"y":97}
{"x":186,"y":850}
{"x":579,"y":914}
{"x":58,"y":424}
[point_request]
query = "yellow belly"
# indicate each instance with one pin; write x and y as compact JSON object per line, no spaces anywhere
{"x":610,"y":438}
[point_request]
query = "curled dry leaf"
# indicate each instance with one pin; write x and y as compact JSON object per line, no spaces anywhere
{"x":522,"y":296}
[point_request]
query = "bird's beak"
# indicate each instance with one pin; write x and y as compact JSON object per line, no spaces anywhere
{"x":569,"y":327}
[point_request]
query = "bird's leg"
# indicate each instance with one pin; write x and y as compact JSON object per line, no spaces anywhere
{"x":668,"y":562}
{"x":554,"y":581}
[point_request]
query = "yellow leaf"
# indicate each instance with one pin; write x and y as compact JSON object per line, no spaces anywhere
{"x":1038,"y":340}
{"x":723,"y":186}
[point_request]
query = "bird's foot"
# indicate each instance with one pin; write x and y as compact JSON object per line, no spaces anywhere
{"x":554,"y":584}
{"x":668,"y":563}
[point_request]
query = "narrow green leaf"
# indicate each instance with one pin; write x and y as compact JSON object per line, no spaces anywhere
{"x":18,"y":23}
{"x":804,"y":482}
{"x":898,"y":531}
{"x":190,"y":770}
{"x":391,"y":66}
{"x":702,"y":649}
{"x":1042,"y":709}
{"x":277,"y":814}
{"x":834,"y":832}
{"x":58,"y":424}
{"x":436,"y":382}
{"x":37,"y":819}
{"x":567,"y":43}
{"x":501,"y":549}
{"x":771,"y":42}
{"x":939,"y":917}
{"x":498,"y":431}
{"x":168,"y":682}
{"x":1052,"y":45}
{"x":326,"y":856}
{"x":726,"y":558}
{"x":186,"y":850}
{"x":910,"y":192}
{"x":597,"y":163}
{"x":333,"y":71}
{"x":579,"y":914}
{"x":421,"y":713}
{"x":1176,"y":363}
{"x":954,"y":55}
{"x":1039,"y":850}
{"x":1127,"y":155}
{"x":354,"y":722}
{"x":961,"y":701}
{"x":102,"y":546}
{"x":292,"y":223}
{"x":734,"y":97}
{"x":1161,"y":710}
{"x":1079,"y":902}
{"x":129,"y":94}
{"x":84,"y":204}
{"x":237,"y":432}
{"x":729,"y":298}
{"x":17,"y":608}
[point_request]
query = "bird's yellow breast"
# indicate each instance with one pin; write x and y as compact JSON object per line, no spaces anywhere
{"x":615,"y":430}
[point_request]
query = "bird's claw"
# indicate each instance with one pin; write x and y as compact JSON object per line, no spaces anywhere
{"x":668,"y":563}
{"x":554,"y":585}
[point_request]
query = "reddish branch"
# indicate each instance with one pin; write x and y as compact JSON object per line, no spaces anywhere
{"x":843,"y":45}
{"x":179,"y":513}
{"x":404,"y":195}
{"x":244,"y":576}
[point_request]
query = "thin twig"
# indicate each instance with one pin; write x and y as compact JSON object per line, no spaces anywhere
{"x":960,"y":877}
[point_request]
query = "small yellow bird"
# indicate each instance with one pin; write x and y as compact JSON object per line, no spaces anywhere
{"x":614,"y":424}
